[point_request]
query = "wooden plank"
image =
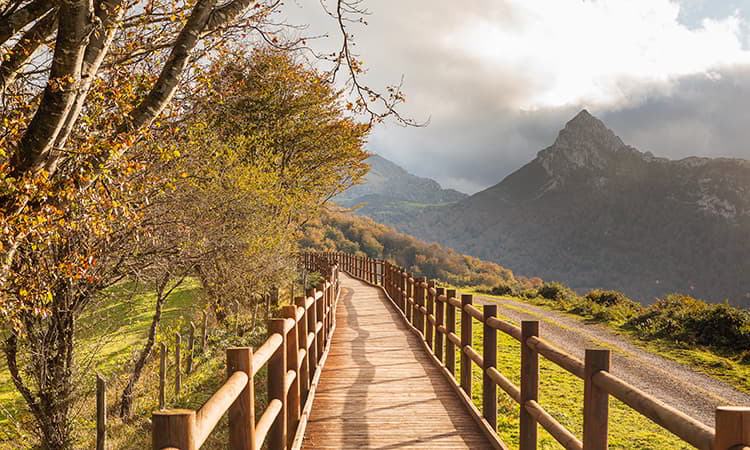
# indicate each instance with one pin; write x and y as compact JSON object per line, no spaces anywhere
{"x":380,"y":388}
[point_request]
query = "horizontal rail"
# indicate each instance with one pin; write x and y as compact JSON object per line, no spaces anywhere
{"x":289,"y":324}
{"x":504,"y":383}
{"x":474,"y":312}
{"x":474,"y":356}
{"x":685,"y":427}
{"x":455,"y":340}
{"x":291,"y":375}
{"x":310,"y":339}
{"x":553,"y":427}
{"x":453,"y":301}
{"x":505,"y":327}
{"x":301,"y":357}
{"x":211,"y":412}
{"x":264,"y":353}
{"x":557,"y":356}
{"x":266,"y":421}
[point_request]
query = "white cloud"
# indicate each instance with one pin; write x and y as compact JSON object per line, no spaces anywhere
{"x":499,"y":78}
{"x":577,"y":51}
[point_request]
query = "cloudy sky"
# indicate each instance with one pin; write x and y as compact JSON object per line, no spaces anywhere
{"x":499,"y":78}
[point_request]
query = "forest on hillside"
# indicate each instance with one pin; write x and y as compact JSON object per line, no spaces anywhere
{"x":340,"y":230}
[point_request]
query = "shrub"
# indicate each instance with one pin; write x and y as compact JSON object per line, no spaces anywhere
{"x":686,"y":320}
{"x":503,"y":289}
{"x":607,"y":298}
{"x":555,"y":291}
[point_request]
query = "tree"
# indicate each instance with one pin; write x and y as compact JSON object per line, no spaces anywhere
{"x":85,"y":85}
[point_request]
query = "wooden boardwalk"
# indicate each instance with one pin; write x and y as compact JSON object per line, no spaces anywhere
{"x":379,"y":388}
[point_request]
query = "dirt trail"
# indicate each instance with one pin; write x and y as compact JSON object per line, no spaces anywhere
{"x":677,"y":385}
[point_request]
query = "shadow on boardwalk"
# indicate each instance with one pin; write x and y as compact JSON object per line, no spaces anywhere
{"x":379,"y":389}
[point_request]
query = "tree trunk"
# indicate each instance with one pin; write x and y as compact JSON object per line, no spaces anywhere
{"x":126,"y":401}
{"x":53,"y":370}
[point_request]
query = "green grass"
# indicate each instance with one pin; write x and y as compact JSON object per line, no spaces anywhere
{"x":732,"y":369}
{"x":107,"y":340}
{"x":561,"y":394}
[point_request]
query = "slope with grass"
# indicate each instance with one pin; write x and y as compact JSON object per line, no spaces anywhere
{"x":109,"y":340}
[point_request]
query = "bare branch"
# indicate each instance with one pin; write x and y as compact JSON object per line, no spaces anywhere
{"x":24,"y":49}
{"x":18,"y":19}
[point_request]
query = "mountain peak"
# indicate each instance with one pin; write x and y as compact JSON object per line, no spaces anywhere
{"x":584,"y":143}
{"x":584,"y":119}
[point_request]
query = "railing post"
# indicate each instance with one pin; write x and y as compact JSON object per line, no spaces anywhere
{"x":466,"y":333}
{"x":430,"y":331}
{"x":162,"y":376}
{"x":312,"y":350}
{"x":304,"y":370}
{"x":292,"y":359}
{"x":173,"y":428}
{"x":489,"y":355}
{"x":420,"y":300}
{"x":242,"y":410}
{"x":101,"y":413}
{"x":177,"y":365}
{"x":277,"y":435}
{"x":595,"y":402}
{"x":732,"y":427}
{"x":402,"y":292}
{"x":439,"y":321}
{"x":529,"y":385}
{"x":409,"y":283}
{"x":320,"y":317}
{"x":450,"y":326}
{"x":191,"y":347}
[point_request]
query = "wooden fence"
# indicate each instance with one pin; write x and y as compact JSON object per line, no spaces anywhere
{"x":295,"y":351}
{"x":432,"y":311}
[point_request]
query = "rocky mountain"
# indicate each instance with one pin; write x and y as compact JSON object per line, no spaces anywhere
{"x":593,"y":212}
{"x":390,"y":194}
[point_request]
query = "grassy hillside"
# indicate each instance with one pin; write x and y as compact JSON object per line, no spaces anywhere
{"x":109,"y":340}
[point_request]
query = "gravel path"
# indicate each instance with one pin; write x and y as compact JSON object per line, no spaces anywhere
{"x":691,"y":392}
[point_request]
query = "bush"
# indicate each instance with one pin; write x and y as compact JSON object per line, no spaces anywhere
{"x":607,"y":298}
{"x":503,"y":289}
{"x":555,"y":291}
{"x":686,"y":320}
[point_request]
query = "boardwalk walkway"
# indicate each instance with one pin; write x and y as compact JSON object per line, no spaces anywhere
{"x":379,"y":388}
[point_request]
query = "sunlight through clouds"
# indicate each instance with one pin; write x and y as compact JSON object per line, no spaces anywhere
{"x":578,"y":51}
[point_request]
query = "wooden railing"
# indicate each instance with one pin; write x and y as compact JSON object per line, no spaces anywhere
{"x":294,"y":351}
{"x":431,"y":311}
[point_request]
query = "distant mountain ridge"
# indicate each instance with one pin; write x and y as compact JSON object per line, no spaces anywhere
{"x":593,"y":212}
{"x":390,"y":193}
{"x":389,"y":180}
